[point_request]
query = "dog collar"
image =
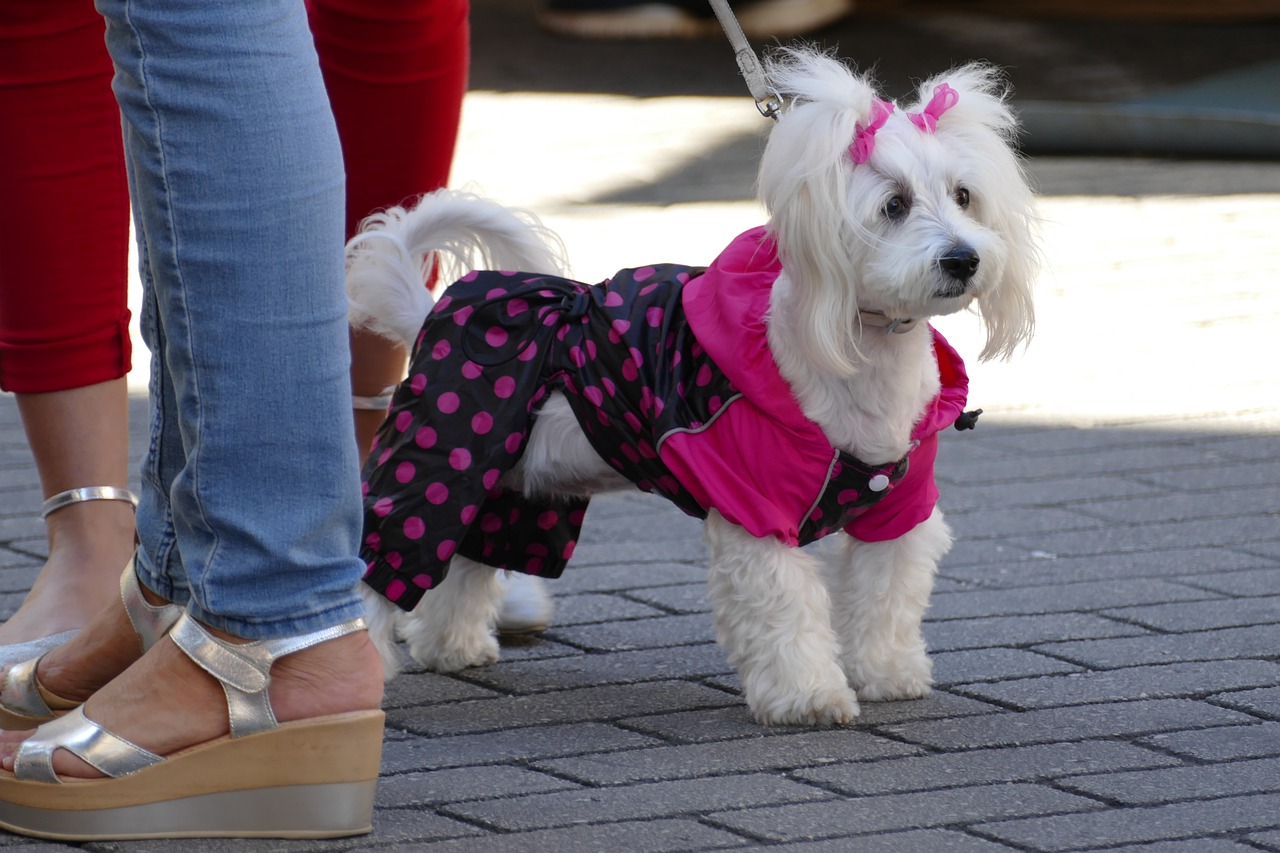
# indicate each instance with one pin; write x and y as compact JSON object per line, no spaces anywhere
{"x":881,"y":320}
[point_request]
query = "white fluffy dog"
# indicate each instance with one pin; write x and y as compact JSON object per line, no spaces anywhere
{"x":880,"y":216}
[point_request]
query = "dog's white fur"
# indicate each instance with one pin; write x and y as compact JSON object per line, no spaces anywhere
{"x":807,"y":634}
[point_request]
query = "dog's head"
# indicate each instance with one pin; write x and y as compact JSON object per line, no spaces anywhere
{"x":912,"y":210}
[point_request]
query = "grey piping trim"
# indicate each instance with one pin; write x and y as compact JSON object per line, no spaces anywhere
{"x":826,"y":481}
{"x":695,"y":430}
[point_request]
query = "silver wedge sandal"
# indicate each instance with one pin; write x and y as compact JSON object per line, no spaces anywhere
{"x":311,"y":778}
{"x":25,"y":703}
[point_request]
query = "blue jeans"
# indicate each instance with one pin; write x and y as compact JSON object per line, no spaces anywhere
{"x":251,"y":511}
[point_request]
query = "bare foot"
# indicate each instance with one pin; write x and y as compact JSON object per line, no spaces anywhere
{"x":89,"y":544}
{"x":164,"y":702}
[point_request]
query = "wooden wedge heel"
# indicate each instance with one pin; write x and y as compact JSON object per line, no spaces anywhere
{"x":311,"y":778}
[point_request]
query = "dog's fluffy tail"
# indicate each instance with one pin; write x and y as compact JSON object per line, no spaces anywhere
{"x":447,"y":233}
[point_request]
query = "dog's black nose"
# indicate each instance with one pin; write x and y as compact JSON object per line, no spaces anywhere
{"x":960,"y":263}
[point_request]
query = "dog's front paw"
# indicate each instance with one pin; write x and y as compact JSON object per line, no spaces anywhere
{"x":834,"y":706}
{"x":908,"y":678}
{"x":452,"y":652}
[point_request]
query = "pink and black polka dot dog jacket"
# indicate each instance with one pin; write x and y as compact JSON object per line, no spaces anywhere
{"x":668,"y":372}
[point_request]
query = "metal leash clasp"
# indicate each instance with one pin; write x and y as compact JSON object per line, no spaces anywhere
{"x":768,"y":101}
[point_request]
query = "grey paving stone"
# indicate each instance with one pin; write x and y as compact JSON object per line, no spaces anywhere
{"x":649,"y":836}
{"x":1010,"y":631}
{"x":1081,"y":722}
{"x":1103,"y":461}
{"x":1244,"y":448}
{"x":865,"y":815}
{"x":587,"y":608}
{"x":941,"y":584}
{"x":464,"y":783}
{"x":682,"y":598}
{"x":1053,"y":569}
{"x":939,"y":704}
{"x":912,"y":841}
{"x":521,"y":647}
{"x":1152,"y":787}
{"x":1223,"y":644}
{"x":1258,"y":582}
{"x":1068,"y":440}
{"x":712,"y":724}
{"x":990,"y":522}
{"x":1264,"y":702}
{"x":525,"y":743}
{"x":951,"y":668}
{"x":813,"y":748}
{"x":593,"y":703}
{"x":637,"y":559}
{"x":1194,"y":679}
{"x":648,"y":633}
{"x":630,"y":802}
{"x":1267,"y":840}
{"x":392,"y":828}
{"x":1222,"y":744}
{"x":624,"y":667}
{"x":1257,"y":472}
{"x":1193,"y":845}
{"x":1061,"y":598}
{"x":628,"y":576}
{"x":1270,"y":550}
{"x":1121,"y":539}
{"x":983,"y":553}
{"x":735,"y":721}
{"x":428,"y":688}
{"x":983,"y":766}
{"x":1118,"y":826}
{"x":1203,"y":615}
{"x":1056,"y":492}
{"x":1258,"y":499}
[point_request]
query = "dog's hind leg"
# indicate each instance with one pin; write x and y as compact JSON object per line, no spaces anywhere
{"x":453,"y":625}
{"x":771,"y":614}
{"x":879,"y":592}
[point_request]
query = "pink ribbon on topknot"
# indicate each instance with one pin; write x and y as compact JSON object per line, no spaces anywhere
{"x":864,"y":137}
{"x":944,"y":98}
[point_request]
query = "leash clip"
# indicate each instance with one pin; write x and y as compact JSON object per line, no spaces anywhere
{"x":768,"y":102}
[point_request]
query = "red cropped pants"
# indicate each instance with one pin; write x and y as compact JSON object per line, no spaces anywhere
{"x":396,"y":73}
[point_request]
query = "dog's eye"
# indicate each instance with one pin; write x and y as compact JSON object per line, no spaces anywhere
{"x":962,"y":197}
{"x":896,"y":207}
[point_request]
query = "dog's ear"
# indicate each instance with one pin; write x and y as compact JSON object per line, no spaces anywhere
{"x":977,"y":116}
{"x":804,"y":184}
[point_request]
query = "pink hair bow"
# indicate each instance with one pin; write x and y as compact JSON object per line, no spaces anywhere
{"x":944,"y":98}
{"x":864,"y":137}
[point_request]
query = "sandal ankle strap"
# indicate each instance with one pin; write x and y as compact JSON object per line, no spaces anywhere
{"x":150,"y":621}
{"x":244,"y":670}
{"x":87,"y":493}
{"x":379,"y":403}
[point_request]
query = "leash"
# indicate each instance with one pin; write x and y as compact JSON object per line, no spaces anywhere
{"x":767,"y":100}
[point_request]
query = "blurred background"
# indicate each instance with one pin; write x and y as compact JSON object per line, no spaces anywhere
{"x":1152,"y":130}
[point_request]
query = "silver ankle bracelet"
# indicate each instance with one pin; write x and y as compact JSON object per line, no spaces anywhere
{"x":86,"y":493}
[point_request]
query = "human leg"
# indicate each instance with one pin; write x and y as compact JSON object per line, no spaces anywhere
{"x":64,"y":340}
{"x":254,"y":524}
{"x":396,"y":73}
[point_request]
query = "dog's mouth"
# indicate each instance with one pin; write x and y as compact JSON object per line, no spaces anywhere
{"x":952,"y":290}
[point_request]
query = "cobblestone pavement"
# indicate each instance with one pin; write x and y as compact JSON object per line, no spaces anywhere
{"x":1106,"y":631}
